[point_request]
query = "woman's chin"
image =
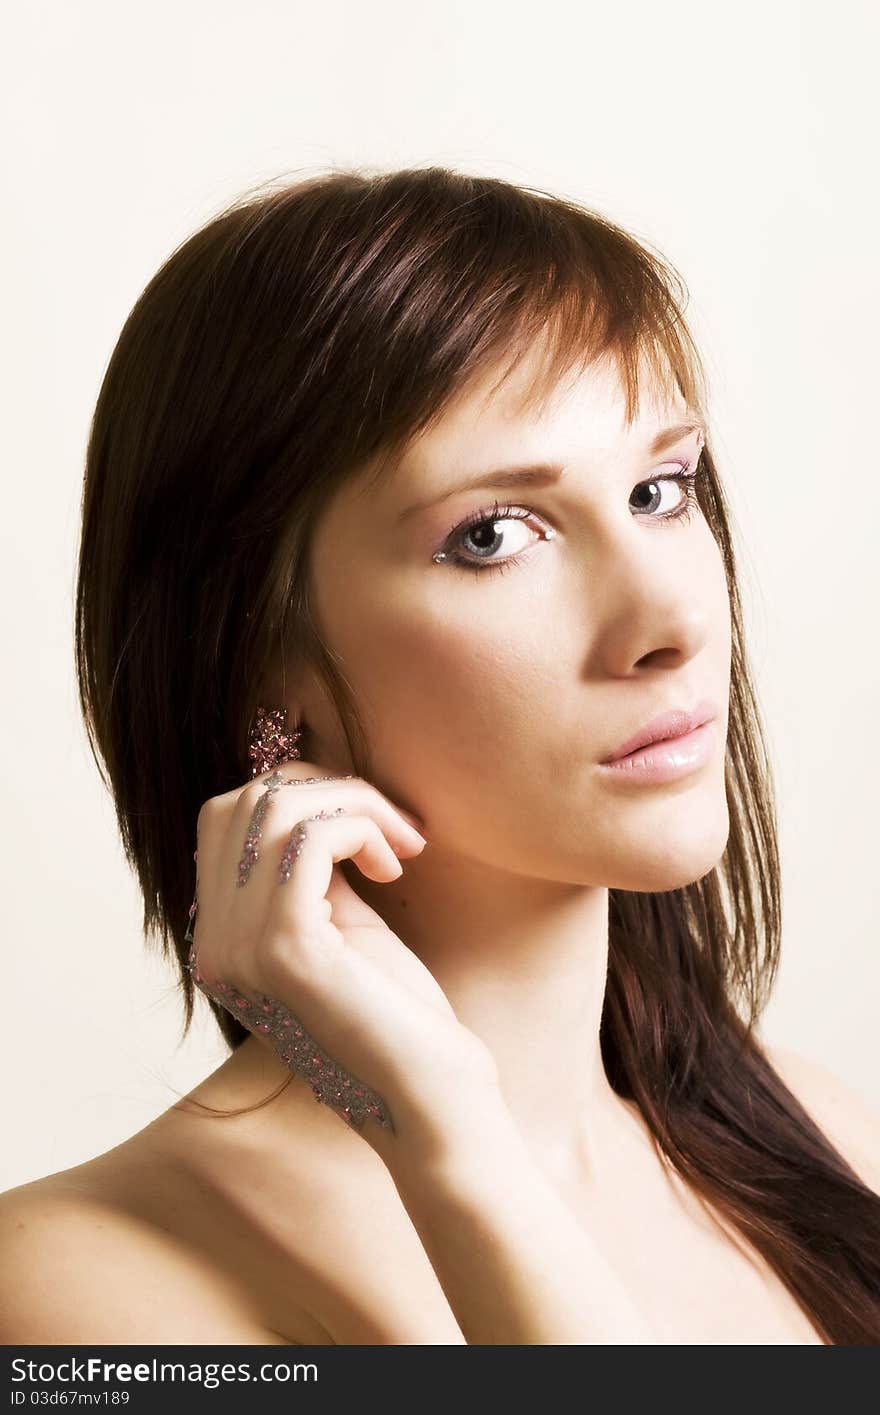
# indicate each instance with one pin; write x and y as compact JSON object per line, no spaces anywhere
{"x":657,"y":866}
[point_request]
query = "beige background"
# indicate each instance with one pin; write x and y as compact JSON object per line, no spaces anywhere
{"x":741,"y":142}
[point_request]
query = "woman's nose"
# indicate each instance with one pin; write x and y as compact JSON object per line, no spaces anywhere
{"x":656,"y":608}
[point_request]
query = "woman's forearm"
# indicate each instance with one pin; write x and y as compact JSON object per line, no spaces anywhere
{"x":516,"y":1267}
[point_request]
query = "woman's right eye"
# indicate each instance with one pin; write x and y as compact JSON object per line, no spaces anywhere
{"x":481,"y":529}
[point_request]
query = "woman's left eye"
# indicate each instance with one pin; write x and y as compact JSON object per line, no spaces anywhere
{"x":481,"y":527}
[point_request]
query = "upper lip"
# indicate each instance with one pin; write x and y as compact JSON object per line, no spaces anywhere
{"x":674,"y":723}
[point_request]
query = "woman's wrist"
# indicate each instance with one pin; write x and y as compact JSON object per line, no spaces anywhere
{"x":462,"y":1137}
{"x":515,"y":1265}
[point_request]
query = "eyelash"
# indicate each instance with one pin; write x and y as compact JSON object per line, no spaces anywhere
{"x":686,"y":477}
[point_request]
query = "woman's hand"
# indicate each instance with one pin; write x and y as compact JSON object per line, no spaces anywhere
{"x":288,"y":947}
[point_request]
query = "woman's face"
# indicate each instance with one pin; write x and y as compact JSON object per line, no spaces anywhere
{"x":491,"y":695}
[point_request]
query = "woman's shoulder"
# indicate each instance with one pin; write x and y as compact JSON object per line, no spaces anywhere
{"x":204,"y":1231}
{"x":841,"y":1112}
{"x":139,"y":1244}
{"x":79,"y":1268}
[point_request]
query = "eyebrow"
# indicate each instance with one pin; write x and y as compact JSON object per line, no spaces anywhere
{"x":545,"y":473}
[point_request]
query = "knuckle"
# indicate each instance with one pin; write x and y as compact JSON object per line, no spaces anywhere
{"x":250,"y":791}
{"x":299,"y":955}
{"x":285,"y":955}
{"x":374,"y":792}
{"x":206,"y":814}
{"x":376,"y":834}
{"x":476,"y":1058}
{"x":389,"y":808}
{"x":276,"y":950}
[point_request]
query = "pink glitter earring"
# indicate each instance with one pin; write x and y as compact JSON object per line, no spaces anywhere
{"x":270,"y":742}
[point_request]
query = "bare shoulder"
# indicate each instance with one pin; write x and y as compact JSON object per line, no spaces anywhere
{"x":77,"y":1270}
{"x":850,"y":1123}
{"x":270,"y":1231}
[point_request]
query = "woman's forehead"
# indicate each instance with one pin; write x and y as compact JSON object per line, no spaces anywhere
{"x":589,"y":409}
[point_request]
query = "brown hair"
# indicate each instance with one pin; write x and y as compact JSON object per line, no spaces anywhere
{"x":299,"y":336}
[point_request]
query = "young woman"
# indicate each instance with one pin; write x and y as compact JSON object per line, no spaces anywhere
{"x":401,"y":537}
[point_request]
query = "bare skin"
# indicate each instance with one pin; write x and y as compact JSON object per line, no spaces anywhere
{"x":489,"y":701}
{"x":309,"y":1243}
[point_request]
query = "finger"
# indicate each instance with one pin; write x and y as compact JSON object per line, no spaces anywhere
{"x":300,"y":857}
{"x":262,"y":811}
{"x":304,"y":866}
{"x":353,"y":792}
{"x":243,"y":813}
{"x":300,"y":948}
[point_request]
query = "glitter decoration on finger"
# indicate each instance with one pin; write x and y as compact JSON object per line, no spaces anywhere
{"x":250,"y":850}
{"x":254,"y":833}
{"x":296,"y":840}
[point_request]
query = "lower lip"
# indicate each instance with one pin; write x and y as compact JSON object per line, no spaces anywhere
{"x":666,"y":761}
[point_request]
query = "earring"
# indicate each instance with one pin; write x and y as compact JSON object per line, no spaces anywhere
{"x":270,"y":742}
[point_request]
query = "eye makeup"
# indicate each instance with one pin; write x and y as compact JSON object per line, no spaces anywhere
{"x":450,"y":552}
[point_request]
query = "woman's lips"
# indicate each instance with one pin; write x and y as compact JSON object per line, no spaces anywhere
{"x":667,"y":760}
{"x":676,"y":722}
